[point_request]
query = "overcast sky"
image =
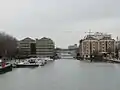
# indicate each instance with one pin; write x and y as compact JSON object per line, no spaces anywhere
{"x":64,"y":21}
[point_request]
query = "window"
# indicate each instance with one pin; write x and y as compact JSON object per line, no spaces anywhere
{"x":87,"y":47}
{"x":93,"y":47}
{"x":93,"y":51}
{"x":87,"y":51}
{"x":103,"y":50}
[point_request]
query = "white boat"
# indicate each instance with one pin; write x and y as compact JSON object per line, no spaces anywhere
{"x":32,"y":62}
{"x":41,"y":61}
{"x":47,"y":59}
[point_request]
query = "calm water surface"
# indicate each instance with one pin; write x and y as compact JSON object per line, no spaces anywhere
{"x":64,"y":75}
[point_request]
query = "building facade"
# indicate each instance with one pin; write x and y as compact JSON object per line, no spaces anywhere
{"x":27,"y":46}
{"x":73,"y":49}
{"x":72,"y":46}
{"x":91,"y":45}
{"x":39,"y":47}
{"x":45,"y":47}
{"x":106,"y":45}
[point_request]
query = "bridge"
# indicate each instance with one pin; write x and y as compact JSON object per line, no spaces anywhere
{"x":66,"y":53}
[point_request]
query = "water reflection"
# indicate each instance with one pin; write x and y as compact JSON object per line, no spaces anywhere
{"x":64,"y":75}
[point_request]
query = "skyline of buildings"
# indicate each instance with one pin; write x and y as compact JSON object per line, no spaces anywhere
{"x":91,"y":43}
{"x":71,"y":43}
{"x":39,"y":47}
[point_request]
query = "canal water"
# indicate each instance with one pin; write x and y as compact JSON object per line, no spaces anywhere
{"x":64,"y":75}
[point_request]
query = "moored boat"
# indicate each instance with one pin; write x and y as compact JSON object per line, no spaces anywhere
{"x":28,"y":63}
{"x":22,"y":64}
{"x":5,"y":67}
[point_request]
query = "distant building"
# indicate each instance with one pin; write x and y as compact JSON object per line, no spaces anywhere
{"x":119,"y":54}
{"x":27,"y":46}
{"x":117,"y":48}
{"x":99,"y":35}
{"x":93,"y":44}
{"x":45,"y":47}
{"x":106,"y":45}
{"x":39,"y":47}
{"x":73,"y":49}
{"x":72,"y":46}
{"x":117,"y":45}
{"x":89,"y":45}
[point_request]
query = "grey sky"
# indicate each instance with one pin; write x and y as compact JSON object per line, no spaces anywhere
{"x":65,"y":21}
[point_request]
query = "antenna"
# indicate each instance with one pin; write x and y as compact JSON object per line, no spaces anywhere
{"x":89,"y":32}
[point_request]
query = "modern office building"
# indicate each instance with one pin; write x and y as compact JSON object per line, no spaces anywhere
{"x":27,"y":46}
{"x":40,"y":47}
{"x":45,"y":47}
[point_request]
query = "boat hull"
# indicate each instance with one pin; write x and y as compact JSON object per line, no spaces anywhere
{"x":25,"y":66}
{"x":6,"y":69}
{"x":42,"y":64}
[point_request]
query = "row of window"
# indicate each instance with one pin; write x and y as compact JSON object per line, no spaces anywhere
{"x":25,"y":49}
{"x":44,"y":50}
{"x":93,"y":45}
{"x":24,"y":45}
{"x":44,"y":53}
{"x":27,"y":45}
{"x":44,"y":45}
{"x":37,"y":44}
{"x":28,"y":52}
{"x":93,"y":49}
{"x":87,"y":51}
{"x":28,"y":48}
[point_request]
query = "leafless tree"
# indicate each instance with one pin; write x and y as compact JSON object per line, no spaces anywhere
{"x":8,"y":45}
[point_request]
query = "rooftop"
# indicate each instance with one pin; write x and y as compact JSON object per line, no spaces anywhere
{"x":98,"y":36}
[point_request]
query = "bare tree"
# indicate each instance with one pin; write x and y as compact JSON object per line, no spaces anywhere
{"x":8,"y":45}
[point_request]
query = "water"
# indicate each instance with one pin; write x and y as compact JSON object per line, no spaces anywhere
{"x":64,"y":75}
